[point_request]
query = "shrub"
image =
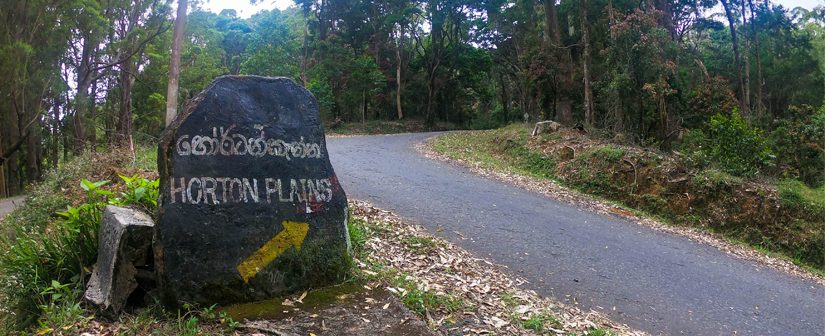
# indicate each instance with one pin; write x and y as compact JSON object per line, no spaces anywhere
{"x":712,"y":96}
{"x":693,"y":145}
{"x":730,"y":144}
{"x":800,"y":141}
{"x":738,"y":148}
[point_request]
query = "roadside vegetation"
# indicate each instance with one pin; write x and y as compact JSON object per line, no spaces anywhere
{"x":726,"y":177}
{"x":49,"y":245}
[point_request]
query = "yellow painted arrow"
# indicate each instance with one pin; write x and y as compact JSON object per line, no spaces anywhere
{"x":292,"y":235}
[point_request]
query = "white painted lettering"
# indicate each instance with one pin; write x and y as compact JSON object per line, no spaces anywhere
{"x":252,"y":190}
{"x":189,"y":191}
{"x":181,"y":190}
{"x":209,"y":190}
{"x":271,"y":188}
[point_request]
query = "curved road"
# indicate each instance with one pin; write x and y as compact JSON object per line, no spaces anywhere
{"x":653,"y":281}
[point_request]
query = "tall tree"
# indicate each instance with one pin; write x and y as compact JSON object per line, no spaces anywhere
{"x":174,"y":63}
{"x":563,"y":83}
{"x":732,"y":22}
{"x":33,"y":37}
{"x":754,"y":36}
{"x":398,"y":66}
{"x":746,"y":62}
{"x":138,"y":23}
{"x":588,"y":89}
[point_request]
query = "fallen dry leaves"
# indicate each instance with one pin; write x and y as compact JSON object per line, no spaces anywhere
{"x":494,"y":300}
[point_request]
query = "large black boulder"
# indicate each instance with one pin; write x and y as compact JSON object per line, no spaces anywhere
{"x":250,"y":206}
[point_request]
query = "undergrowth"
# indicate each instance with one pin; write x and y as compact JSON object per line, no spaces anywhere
{"x":50,"y":243}
{"x":46,"y":255}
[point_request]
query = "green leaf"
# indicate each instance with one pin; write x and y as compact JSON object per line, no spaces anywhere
{"x":126,"y":178}
{"x":140,"y":192}
{"x":103,"y":192}
{"x":86,"y":185}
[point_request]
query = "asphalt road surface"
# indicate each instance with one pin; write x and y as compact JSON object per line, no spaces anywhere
{"x":653,"y":281}
{"x":8,"y":204}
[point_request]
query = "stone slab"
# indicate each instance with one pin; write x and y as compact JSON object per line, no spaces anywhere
{"x":125,"y":246}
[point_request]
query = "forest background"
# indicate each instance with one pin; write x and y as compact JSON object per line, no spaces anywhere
{"x":734,"y":80}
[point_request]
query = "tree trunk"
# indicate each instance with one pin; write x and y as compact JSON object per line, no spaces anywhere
{"x":736,"y":58}
{"x":437,"y":21}
{"x":4,"y":141}
{"x":34,"y":152}
{"x":81,"y":103}
{"x":56,"y":131}
{"x":746,"y":70}
{"x":430,"y":96}
{"x":81,"y":100}
{"x":9,"y":156}
{"x":86,"y":73}
{"x":552,"y":33}
{"x":9,"y":138}
{"x":398,"y":60}
{"x":322,"y":21}
{"x":174,"y":63}
{"x":91,"y":126}
{"x":305,"y":52}
{"x":3,"y":182}
{"x":363,"y":107}
{"x":127,"y":80}
{"x":616,"y":111}
{"x":505,"y":97}
{"x":564,"y":106}
{"x":760,"y":106}
{"x":588,"y":90}
{"x":124,"y":122}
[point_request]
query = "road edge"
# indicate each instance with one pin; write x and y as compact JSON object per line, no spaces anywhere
{"x":553,"y":190}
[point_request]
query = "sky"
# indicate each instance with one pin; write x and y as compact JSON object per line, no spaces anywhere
{"x":809,"y":4}
{"x":246,"y":10}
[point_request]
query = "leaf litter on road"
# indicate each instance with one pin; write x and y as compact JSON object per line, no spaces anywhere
{"x":493,"y":300}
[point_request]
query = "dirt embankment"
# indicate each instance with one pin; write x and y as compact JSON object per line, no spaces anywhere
{"x":760,"y":212}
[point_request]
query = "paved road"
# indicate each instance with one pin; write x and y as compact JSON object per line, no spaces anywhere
{"x":653,"y":281}
{"x":8,"y":204}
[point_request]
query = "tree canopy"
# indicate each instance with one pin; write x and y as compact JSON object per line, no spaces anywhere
{"x":86,"y":74}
